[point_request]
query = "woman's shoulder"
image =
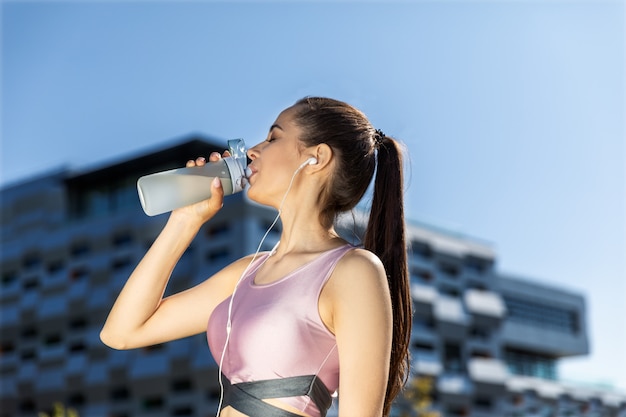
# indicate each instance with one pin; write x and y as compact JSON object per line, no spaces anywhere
{"x":358,"y":267}
{"x":360,"y":258}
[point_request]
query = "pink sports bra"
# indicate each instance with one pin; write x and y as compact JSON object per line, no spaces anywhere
{"x":277,"y":331}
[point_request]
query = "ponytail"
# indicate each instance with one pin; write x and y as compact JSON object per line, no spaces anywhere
{"x":360,"y":152}
{"x":385,"y":236}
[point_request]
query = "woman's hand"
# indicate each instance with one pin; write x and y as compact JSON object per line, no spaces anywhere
{"x":206,"y":209}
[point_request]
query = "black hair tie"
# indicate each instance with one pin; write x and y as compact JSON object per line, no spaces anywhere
{"x":379,"y":137}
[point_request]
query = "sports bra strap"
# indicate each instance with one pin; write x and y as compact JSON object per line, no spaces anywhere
{"x":247,"y":397}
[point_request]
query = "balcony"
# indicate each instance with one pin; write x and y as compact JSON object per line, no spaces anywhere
{"x":549,"y":391}
{"x":424,"y":297}
{"x":488,"y":375}
{"x":454,"y":389}
{"x":450,"y":319}
{"x":487,"y":309}
{"x":426,"y":362}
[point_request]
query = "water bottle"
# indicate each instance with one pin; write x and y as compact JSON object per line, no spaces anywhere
{"x":168,"y":190}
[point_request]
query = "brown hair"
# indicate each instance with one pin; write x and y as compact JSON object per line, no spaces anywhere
{"x":360,"y":151}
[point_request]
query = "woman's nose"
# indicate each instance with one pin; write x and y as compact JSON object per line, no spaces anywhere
{"x":253,"y":152}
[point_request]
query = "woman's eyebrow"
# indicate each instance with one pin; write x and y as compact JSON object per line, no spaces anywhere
{"x":275,"y":126}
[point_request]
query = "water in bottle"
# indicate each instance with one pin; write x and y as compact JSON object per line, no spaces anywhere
{"x":168,"y":190}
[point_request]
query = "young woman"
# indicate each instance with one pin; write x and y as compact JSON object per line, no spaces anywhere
{"x":315,"y":315}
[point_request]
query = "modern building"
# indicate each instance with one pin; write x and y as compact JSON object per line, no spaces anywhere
{"x":490,"y":343}
{"x":69,"y":240}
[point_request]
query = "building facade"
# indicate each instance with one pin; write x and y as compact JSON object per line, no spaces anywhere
{"x":489,"y":343}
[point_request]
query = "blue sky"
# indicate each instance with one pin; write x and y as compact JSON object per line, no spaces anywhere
{"x":512,"y":111}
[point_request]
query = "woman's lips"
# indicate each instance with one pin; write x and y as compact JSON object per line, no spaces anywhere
{"x":250,"y":171}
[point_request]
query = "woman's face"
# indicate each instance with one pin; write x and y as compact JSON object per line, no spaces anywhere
{"x":275,"y":160}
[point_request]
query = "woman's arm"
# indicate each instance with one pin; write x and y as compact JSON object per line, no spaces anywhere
{"x":140,"y":316}
{"x":362,"y":323}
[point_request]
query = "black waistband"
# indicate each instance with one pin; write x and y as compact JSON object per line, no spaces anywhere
{"x":247,"y":397}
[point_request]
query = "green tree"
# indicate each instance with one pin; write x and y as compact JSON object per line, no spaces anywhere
{"x":418,"y":394}
{"x":59,"y":410}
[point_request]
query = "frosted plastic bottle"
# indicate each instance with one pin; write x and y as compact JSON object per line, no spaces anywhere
{"x":168,"y":190}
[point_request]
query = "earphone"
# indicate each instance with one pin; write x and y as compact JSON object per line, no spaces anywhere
{"x":310,"y":161}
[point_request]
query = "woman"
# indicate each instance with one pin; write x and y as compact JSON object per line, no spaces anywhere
{"x":313,"y":316}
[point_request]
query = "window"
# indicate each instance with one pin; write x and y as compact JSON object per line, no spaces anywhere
{"x":481,"y":333}
{"x":52,"y":339}
{"x":423,"y":346}
{"x":222,"y":229}
{"x":422,"y":274}
{"x":182,"y":411}
{"x":119,"y":394}
{"x":55,"y":266}
{"x":111,"y":195}
{"x":213,"y":394}
{"x":477,"y":286}
{"x":449,"y":291}
{"x":121,"y":263}
{"x":27,"y":405}
{"x":29,"y":332}
{"x":79,"y":273}
{"x":77,"y":347}
{"x":218,"y":255}
{"x":421,"y":249}
{"x":181,"y":385}
{"x":30,"y":283}
{"x":483,"y":403}
{"x":153,"y":403}
{"x":9,"y":278}
{"x":76,"y":399}
{"x":80,"y":249}
{"x":423,"y":323}
{"x":7,"y":347}
{"x":450,"y":269}
{"x":453,"y":357}
{"x":122,"y":239}
{"x":477,"y":353}
{"x":32,"y":260}
{"x":476,"y":264}
{"x":28,"y":355}
{"x":530,"y":364}
{"x":457,"y":411}
{"x":78,"y":323}
{"x":542,"y":315}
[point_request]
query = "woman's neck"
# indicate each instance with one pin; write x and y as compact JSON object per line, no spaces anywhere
{"x":303,"y":233}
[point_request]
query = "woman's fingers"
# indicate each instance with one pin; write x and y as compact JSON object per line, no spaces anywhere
{"x":198,"y":162}
{"x":215,"y":156}
{"x":201,"y":160}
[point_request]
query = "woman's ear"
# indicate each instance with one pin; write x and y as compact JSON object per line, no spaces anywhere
{"x":323,"y":155}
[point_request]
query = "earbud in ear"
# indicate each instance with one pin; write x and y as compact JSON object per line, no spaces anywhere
{"x":310,"y":161}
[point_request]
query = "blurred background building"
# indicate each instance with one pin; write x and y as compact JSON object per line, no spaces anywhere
{"x":487,"y":344}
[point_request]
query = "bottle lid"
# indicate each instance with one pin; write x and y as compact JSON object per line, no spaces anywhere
{"x":238,"y":152}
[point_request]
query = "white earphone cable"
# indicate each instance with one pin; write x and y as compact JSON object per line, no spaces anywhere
{"x":245,"y":271}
